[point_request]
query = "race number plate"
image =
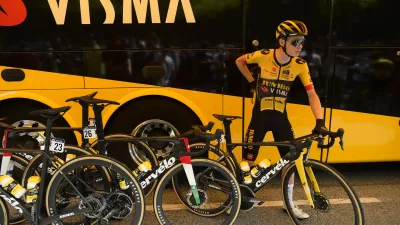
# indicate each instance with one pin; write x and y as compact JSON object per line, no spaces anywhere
{"x":89,"y":132}
{"x":57,"y":145}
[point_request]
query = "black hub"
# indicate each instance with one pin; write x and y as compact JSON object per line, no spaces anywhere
{"x":321,"y":202}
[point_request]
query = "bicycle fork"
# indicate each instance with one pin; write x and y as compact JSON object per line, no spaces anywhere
{"x":302,"y":174}
{"x":187,"y":166}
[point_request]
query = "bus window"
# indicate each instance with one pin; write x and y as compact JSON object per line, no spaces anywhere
{"x":57,"y":62}
{"x":367,"y":81}
{"x":201,"y":70}
{"x":366,"y":25}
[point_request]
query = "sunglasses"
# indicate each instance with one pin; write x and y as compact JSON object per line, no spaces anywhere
{"x":297,"y":42}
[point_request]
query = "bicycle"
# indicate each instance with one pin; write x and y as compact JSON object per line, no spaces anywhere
{"x":27,"y":164}
{"x":115,"y":201}
{"x":297,"y":159}
{"x":149,"y":179}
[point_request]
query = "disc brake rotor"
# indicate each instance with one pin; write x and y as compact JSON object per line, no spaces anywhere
{"x":192,"y":201}
{"x":321,"y":202}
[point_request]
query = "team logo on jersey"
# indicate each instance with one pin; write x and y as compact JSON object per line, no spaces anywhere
{"x":300,"y":61}
{"x":264,"y":89}
{"x":285,"y":74}
{"x":265,"y":51}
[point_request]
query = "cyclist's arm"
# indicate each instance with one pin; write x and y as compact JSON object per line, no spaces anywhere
{"x":315,"y":103}
{"x":242,"y":62}
{"x":313,"y":98}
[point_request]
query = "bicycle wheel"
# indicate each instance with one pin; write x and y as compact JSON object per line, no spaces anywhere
{"x":212,"y":179}
{"x":139,"y":152}
{"x":19,"y":166}
{"x":334,"y":199}
{"x":4,"y":220}
{"x":179,"y":179}
{"x":108,"y":207}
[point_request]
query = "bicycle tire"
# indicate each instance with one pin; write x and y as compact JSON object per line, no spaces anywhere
{"x":4,"y":216}
{"x":357,"y":206}
{"x":149,"y":154}
{"x":199,"y":147}
{"x":103,"y":161}
{"x":235,"y":204}
{"x":18,"y":171}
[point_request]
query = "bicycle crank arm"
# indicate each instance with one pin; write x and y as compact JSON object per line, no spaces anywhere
{"x":257,"y":201}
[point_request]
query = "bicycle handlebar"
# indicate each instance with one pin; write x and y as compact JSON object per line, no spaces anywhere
{"x":301,"y":142}
{"x":319,"y":137}
{"x":333,"y":135}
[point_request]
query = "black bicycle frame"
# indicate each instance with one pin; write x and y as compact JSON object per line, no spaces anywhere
{"x":181,"y":150}
{"x":271,"y":172}
{"x":34,"y":216}
{"x":164,"y":165}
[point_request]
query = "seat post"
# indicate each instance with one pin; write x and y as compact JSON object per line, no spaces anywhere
{"x":85,"y":120}
{"x":43,"y":172}
{"x":227,"y":128}
{"x":99,"y":128}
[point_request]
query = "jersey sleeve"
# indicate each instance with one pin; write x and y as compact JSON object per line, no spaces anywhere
{"x":253,"y":57}
{"x":306,"y":77}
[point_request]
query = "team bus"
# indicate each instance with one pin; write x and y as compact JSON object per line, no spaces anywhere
{"x":56,"y":49}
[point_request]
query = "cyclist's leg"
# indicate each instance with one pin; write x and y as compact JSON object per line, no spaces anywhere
{"x":283,"y":131}
{"x":255,"y":133}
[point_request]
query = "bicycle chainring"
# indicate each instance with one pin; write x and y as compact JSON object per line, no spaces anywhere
{"x":120,"y":201}
{"x":247,"y":192}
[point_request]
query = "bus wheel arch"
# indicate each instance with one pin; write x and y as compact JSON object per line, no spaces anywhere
{"x":152,"y":116}
{"x":16,"y":110}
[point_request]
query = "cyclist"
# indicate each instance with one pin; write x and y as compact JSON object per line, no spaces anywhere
{"x":278,"y":69}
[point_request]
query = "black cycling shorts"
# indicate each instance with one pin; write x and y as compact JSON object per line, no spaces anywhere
{"x":262,"y":122}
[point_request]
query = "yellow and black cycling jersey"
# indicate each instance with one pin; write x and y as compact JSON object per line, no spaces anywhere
{"x":275,"y":80}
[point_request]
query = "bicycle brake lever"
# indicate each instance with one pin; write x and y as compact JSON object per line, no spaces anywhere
{"x":341,"y":143}
{"x":320,"y":142}
{"x":341,"y":133}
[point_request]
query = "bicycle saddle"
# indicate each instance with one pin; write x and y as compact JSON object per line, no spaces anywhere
{"x":224,"y":117}
{"x":47,"y":113}
{"x":82,"y":98}
{"x":88,"y":99}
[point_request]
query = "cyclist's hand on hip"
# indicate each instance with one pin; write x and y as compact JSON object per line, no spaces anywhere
{"x":253,"y":86}
{"x":319,"y":127}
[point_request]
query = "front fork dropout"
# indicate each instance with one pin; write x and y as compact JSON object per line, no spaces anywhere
{"x":302,"y":174}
